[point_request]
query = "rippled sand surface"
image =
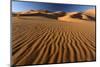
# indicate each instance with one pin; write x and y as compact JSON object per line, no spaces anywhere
{"x":41,"y":40}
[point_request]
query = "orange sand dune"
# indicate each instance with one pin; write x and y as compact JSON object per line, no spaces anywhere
{"x":41,"y":40}
{"x":90,"y":12}
{"x":60,"y":15}
{"x":85,"y":16}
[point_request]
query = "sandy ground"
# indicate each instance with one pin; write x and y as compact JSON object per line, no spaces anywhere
{"x":40,"y":40}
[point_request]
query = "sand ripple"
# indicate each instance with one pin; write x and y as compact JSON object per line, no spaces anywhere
{"x":46,"y":41}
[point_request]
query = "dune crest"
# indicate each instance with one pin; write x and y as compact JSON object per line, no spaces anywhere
{"x":84,"y":16}
{"x":90,"y":12}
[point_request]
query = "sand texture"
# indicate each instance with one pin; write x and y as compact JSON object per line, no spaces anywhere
{"x":45,"y":40}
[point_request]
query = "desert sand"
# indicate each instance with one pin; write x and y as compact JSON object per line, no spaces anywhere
{"x":45,"y":40}
{"x":90,"y":12}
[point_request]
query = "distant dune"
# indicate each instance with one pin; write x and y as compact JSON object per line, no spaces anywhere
{"x":85,"y":16}
{"x":62,"y":16}
{"x":44,"y":37}
{"x":43,"y":13}
{"x":90,"y":12}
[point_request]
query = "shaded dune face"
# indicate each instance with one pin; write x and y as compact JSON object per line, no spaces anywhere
{"x":41,"y":40}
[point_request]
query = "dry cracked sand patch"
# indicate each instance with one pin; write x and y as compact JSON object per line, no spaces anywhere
{"x":40,"y":40}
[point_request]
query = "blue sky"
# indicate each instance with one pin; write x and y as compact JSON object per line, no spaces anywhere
{"x":18,"y":6}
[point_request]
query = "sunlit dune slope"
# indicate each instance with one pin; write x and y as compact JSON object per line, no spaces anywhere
{"x":90,"y":12}
{"x":85,"y":16}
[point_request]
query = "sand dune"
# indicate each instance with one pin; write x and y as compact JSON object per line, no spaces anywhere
{"x":84,"y":16}
{"x":90,"y":12}
{"x":42,"y":40}
{"x":60,"y":15}
{"x":75,"y":20}
{"x":43,"y":13}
